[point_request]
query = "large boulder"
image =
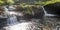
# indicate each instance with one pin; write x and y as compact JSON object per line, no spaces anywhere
{"x":37,"y":12}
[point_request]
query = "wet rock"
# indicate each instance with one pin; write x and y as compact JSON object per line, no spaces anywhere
{"x":37,"y":13}
{"x":3,"y":22}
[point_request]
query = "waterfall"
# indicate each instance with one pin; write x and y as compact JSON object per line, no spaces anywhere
{"x":46,"y":14}
{"x":14,"y":25}
{"x":11,"y":18}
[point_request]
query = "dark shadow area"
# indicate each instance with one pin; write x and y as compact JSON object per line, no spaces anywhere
{"x":3,"y":22}
{"x":53,"y":8}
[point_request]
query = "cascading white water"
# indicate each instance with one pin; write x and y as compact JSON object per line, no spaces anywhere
{"x":24,"y":26}
{"x":11,"y":18}
{"x":46,"y":14}
{"x":14,"y":25}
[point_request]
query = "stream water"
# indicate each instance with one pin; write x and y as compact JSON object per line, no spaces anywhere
{"x":13,"y":24}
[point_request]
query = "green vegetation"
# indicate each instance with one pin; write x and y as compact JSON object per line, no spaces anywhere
{"x":46,"y":2}
{"x":6,"y":2}
{"x":26,"y":4}
{"x":36,"y":2}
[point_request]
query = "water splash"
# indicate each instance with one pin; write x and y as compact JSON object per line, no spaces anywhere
{"x":23,"y":26}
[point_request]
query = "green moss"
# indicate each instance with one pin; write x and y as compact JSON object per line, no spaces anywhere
{"x":45,"y":2}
